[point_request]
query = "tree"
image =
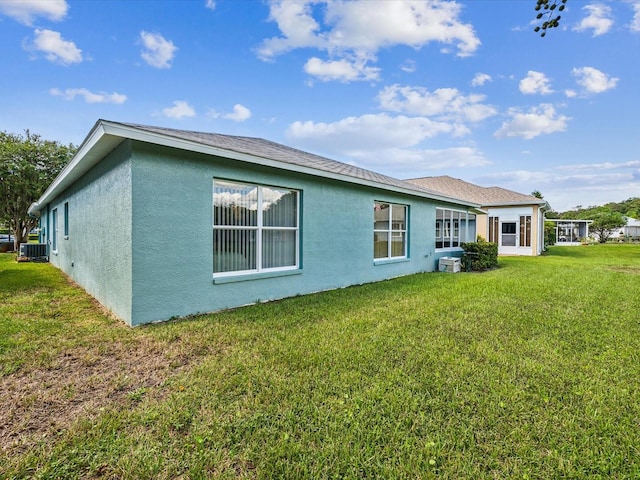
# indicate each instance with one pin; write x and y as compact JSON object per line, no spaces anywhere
{"x":605,"y":222}
{"x":547,"y":12}
{"x":537,"y":194}
{"x":28,"y":165}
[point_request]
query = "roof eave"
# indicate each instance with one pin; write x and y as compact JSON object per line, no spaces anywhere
{"x":94,"y":147}
{"x":515,"y":204}
{"x":183,"y":144}
{"x":107,"y":135}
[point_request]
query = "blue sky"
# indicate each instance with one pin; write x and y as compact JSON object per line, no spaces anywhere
{"x":408,"y":89}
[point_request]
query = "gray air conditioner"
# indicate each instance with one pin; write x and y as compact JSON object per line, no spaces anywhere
{"x":34,"y":251}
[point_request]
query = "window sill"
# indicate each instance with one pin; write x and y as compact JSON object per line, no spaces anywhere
{"x":386,"y":261}
{"x":449,"y":249}
{"x":255,"y":276}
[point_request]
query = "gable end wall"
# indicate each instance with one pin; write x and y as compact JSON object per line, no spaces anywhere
{"x":97,"y":252}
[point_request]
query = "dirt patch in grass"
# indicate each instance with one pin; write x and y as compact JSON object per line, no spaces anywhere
{"x":633,"y":270}
{"x":42,"y":403}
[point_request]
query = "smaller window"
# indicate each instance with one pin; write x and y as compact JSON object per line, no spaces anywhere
{"x":525,"y":230}
{"x":389,"y":230}
{"x":66,"y":220}
{"x":54,"y":230}
{"x":494,"y":225}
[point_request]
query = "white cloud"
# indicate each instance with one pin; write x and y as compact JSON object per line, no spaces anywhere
{"x":379,"y":131}
{"x":355,"y":30}
{"x":601,"y":166}
{"x":539,"y":120}
{"x":566,"y":186}
{"x":210,"y":4}
{"x":569,"y":93}
{"x":412,"y":163}
{"x":158,"y":51}
{"x":240,"y":113}
{"x":593,"y":80}
{"x":408,"y":66}
{"x":634,"y":26}
{"x":297,"y":25}
{"x":535,"y":82}
{"x":385,"y":144}
{"x":480,"y":79}
{"x":443,"y":103}
{"x":598,"y":19}
{"x":25,"y":11}
{"x":180,"y":109}
{"x":89,"y":97}
{"x":55,"y":48}
{"x":343,"y":70}
{"x":371,"y":133}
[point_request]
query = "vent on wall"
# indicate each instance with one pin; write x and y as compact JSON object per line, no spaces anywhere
{"x":34,"y":251}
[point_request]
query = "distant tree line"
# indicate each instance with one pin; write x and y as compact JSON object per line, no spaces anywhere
{"x":606,"y":218}
{"x":28,"y":164}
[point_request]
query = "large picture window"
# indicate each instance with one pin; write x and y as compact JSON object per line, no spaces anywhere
{"x":389,"y":230}
{"x":454,"y":227}
{"x":255,"y":228}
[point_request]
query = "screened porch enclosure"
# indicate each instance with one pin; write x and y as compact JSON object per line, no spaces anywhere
{"x":570,"y":232}
{"x":454,"y":228}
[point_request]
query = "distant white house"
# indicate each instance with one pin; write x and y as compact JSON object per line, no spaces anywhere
{"x":630,"y":230}
{"x":515,"y":221}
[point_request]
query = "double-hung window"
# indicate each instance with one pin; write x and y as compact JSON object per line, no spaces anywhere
{"x":255,"y":228}
{"x":389,"y":230}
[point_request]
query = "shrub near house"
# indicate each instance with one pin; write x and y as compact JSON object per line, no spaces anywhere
{"x":480,"y":255}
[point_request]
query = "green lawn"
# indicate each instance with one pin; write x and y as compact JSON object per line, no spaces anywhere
{"x":528,"y":371}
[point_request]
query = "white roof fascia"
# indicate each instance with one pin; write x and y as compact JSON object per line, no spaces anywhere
{"x":107,"y":135}
{"x":182,"y":144}
{"x":92,"y":150}
{"x":514,"y":204}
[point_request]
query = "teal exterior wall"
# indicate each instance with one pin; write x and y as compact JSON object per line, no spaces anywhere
{"x":97,"y":252}
{"x":172,"y":238}
{"x":141,"y":234}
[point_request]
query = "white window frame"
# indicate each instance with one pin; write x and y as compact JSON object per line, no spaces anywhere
{"x":393,"y":231}
{"x":450,"y":228}
{"x":259,"y":228}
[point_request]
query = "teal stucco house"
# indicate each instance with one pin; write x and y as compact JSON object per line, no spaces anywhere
{"x":158,"y":223}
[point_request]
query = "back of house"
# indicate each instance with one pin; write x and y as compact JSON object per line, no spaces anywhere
{"x":159,"y":223}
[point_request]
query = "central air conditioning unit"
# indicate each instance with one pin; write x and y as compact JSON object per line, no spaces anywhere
{"x":449,"y":264}
{"x":34,"y":251}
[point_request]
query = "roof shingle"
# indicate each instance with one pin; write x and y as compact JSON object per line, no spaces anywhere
{"x":267,"y":149}
{"x":485,"y":196}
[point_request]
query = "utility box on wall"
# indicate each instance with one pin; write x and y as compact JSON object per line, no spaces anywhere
{"x":449,"y":264}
